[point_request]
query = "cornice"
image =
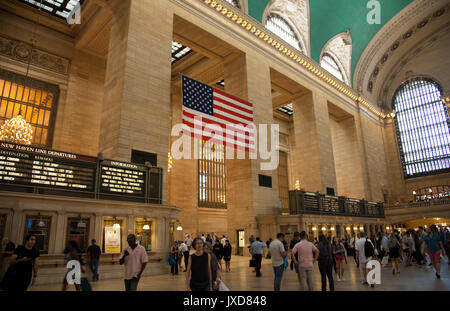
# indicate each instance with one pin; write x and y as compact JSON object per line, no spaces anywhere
{"x":274,"y":47}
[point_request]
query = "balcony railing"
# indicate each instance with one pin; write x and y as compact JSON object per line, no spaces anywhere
{"x":430,"y":203}
{"x":302,"y":202}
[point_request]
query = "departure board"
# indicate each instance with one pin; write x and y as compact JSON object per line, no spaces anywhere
{"x":38,"y":167}
{"x":123,"y":178}
{"x":45,"y":171}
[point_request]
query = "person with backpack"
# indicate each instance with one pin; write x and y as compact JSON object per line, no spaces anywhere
{"x":325,"y":261}
{"x":365,"y":250}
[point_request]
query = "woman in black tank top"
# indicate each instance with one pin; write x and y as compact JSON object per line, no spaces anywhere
{"x":198,"y":276}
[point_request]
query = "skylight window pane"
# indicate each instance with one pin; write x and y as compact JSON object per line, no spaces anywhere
{"x":179,"y":51}
{"x":280,"y":27}
{"x":58,"y":8}
{"x":422,"y":124}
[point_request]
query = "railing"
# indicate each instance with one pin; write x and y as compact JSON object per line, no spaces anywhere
{"x":430,"y":203}
{"x":302,"y":202}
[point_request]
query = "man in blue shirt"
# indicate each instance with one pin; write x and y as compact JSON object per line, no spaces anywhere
{"x":434,"y":246}
{"x":256,"y":249}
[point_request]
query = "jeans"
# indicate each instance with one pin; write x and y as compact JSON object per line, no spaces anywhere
{"x":307,"y":278}
{"x":174,"y":268}
{"x":278,"y":276}
{"x":258,"y":258}
{"x":326,"y":270}
{"x":131,"y":285}
{"x":93,"y":266}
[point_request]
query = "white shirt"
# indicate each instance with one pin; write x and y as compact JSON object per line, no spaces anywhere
{"x":189,"y":242}
{"x":276,"y":247}
{"x":359,"y":246}
{"x":204,"y":239}
{"x":183,"y":247}
{"x":224,"y":241}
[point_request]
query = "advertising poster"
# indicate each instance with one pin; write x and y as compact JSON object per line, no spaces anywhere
{"x":112,"y":240}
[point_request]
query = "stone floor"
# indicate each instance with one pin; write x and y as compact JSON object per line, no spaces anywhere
{"x":241,"y":278}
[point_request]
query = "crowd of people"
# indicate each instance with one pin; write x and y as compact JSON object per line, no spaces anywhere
{"x":206,"y":257}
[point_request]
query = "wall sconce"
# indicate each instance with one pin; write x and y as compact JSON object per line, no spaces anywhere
{"x":323,"y":228}
{"x":332,"y":228}
{"x":387,"y":228}
{"x":361,"y":228}
{"x":348,"y":228}
{"x":355,"y":228}
{"x":146,"y":227}
{"x":314,"y":228}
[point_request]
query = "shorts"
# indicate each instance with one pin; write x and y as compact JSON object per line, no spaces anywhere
{"x":435,"y":257}
{"x":340,"y":258}
{"x":393,"y":253}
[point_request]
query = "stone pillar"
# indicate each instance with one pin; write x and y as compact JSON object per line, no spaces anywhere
{"x":61,"y":227}
{"x":248,"y":77}
{"x":136,"y":105}
{"x":313,"y":164}
{"x":18,"y":219}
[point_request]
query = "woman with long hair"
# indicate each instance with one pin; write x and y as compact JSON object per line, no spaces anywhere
{"x":227,"y":255}
{"x":339,"y":255}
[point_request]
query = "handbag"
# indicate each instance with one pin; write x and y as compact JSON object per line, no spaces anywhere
{"x":85,"y":285}
{"x":171,"y":260}
{"x":385,"y":260}
{"x":252,"y":263}
{"x":223,"y":287}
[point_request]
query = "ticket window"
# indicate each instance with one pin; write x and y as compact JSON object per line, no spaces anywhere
{"x":112,"y":236}
{"x":78,"y":231}
{"x":143,"y":233}
{"x":40,"y":227}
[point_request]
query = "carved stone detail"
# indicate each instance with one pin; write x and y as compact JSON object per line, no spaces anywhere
{"x":340,"y":48}
{"x":20,"y":51}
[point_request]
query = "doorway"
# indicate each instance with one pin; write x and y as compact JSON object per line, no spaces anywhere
{"x":240,"y":238}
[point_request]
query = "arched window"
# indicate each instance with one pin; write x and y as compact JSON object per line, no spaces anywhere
{"x":234,"y":3}
{"x":281,"y":28}
{"x":329,"y":64}
{"x":422,"y":123}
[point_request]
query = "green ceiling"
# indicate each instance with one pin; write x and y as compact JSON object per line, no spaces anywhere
{"x":331,"y":17}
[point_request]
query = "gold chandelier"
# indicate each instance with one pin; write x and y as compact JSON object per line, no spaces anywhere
{"x":16,"y":130}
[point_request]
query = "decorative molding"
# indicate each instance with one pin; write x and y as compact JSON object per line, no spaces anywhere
{"x":296,"y":14}
{"x":387,"y":87}
{"x":400,"y":41}
{"x":20,"y":51}
{"x":340,"y":48}
{"x":396,"y":27}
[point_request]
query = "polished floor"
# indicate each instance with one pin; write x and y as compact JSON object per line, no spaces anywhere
{"x":241,"y":278}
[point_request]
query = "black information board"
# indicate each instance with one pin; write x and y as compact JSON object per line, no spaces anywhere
{"x":46,"y":168}
{"x":44,"y":171}
{"x":119,"y":177}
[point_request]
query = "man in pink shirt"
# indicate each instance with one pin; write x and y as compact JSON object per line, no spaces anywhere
{"x":135,"y":259}
{"x":305,"y":262}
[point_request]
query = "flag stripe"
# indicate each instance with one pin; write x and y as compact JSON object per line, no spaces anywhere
{"x":229,"y":103}
{"x":230,"y":112}
{"x":231,"y":97}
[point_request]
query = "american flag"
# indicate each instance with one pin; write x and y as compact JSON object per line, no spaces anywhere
{"x":216,"y":107}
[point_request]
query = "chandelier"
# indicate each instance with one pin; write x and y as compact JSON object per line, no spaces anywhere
{"x":16,"y":130}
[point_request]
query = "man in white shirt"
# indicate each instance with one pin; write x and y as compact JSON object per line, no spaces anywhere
{"x":361,"y":257}
{"x":203,"y":238}
{"x":223,"y":240}
{"x":277,"y":252}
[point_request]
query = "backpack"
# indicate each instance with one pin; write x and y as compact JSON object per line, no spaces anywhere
{"x":368,"y":249}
